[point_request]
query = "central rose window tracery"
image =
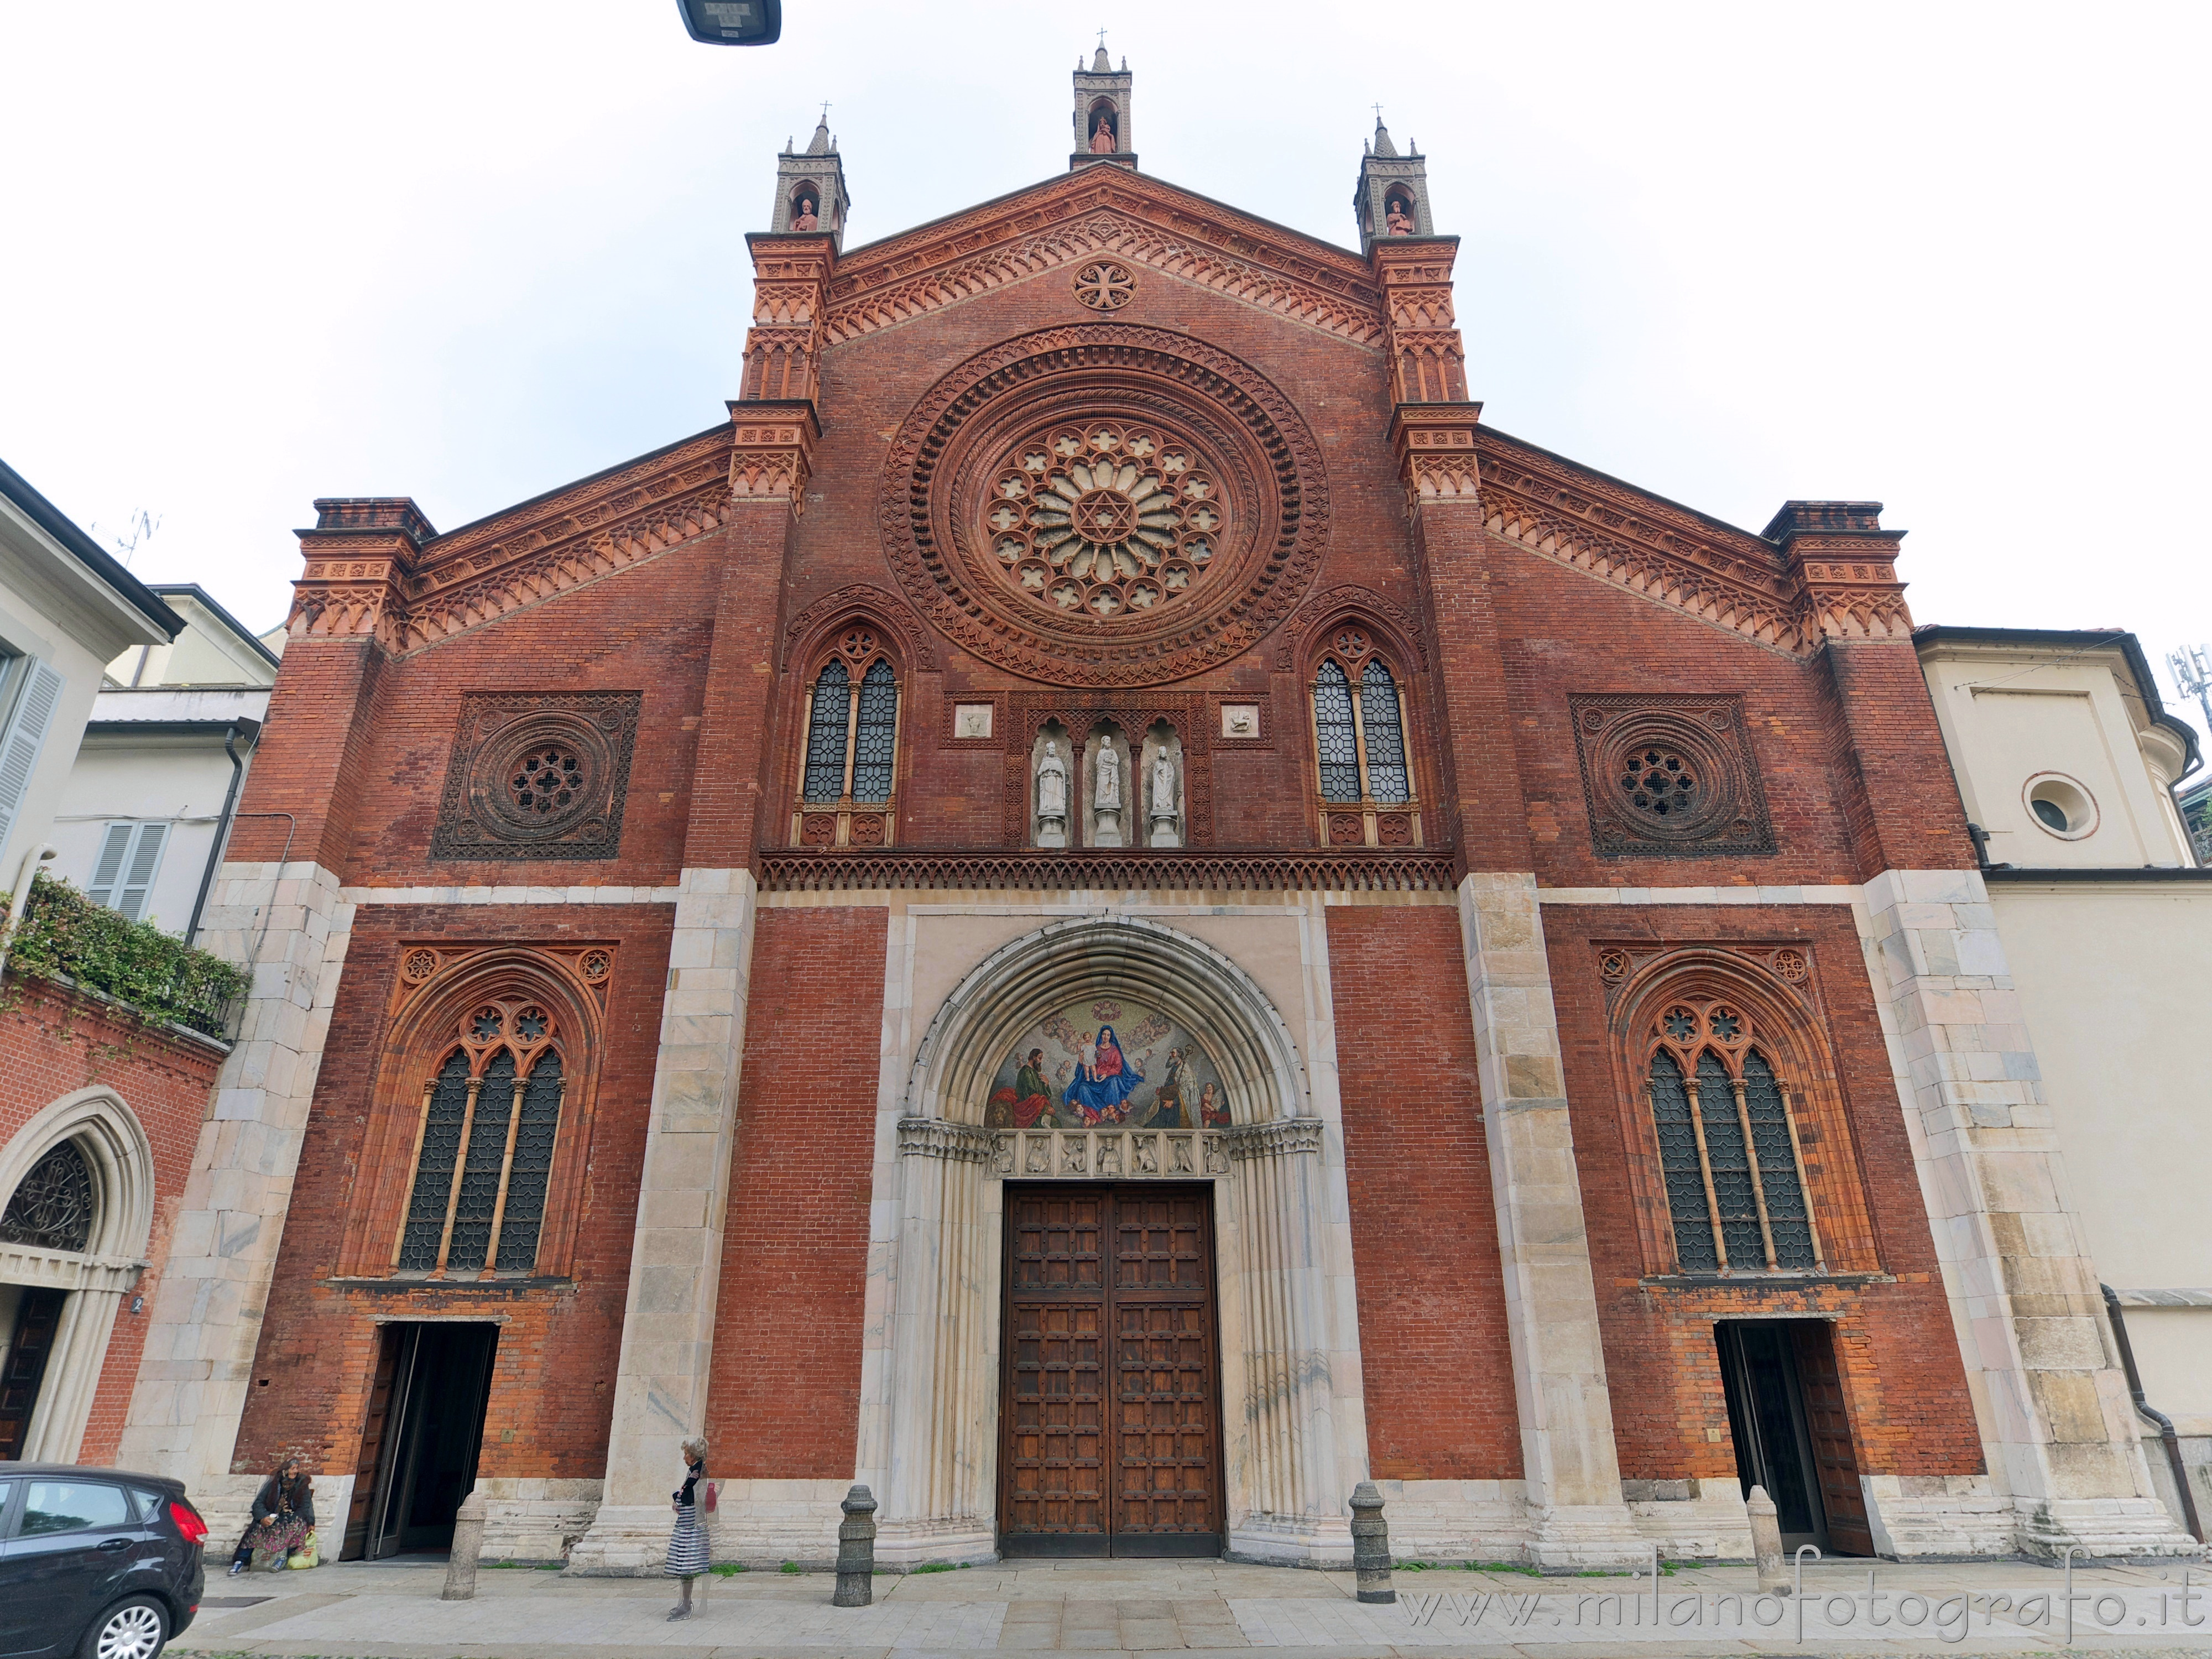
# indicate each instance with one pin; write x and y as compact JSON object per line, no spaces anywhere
{"x":1108,"y":518}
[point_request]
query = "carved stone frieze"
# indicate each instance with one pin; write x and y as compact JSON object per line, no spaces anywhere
{"x":946,"y":456}
{"x":1108,"y":1154}
{"x":1103,"y":215}
{"x":809,"y":870}
{"x":959,"y":1143}
{"x":1285,"y":1137}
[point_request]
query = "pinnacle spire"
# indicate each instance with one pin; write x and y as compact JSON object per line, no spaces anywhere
{"x":1382,"y":144}
{"x":821,"y":144}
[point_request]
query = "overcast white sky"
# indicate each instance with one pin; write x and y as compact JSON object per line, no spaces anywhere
{"x":1952,"y":257}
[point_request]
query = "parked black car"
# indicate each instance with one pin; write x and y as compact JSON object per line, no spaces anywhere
{"x":98,"y":1562}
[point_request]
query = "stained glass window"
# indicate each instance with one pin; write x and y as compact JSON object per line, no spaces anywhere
{"x":481,"y":1169}
{"x":50,"y":1208}
{"x":433,"y":1167}
{"x":533,"y":1167}
{"x":1678,"y":1162}
{"x":1340,"y":747}
{"x":1710,"y":1146}
{"x":1386,"y":739}
{"x":873,"y":742}
{"x":1786,"y":1215}
{"x":826,"y":732}
{"x":1731,"y":1165}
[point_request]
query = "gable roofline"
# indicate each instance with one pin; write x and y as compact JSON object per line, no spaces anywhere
{"x":1349,"y":261}
{"x":560,"y":489}
{"x":2077,"y":642}
{"x":1572,"y":464}
{"x":201,"y":597}
{"x":87,"y":552}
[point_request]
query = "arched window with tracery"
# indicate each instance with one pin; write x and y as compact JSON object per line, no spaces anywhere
{"x":1728,"y":1147}
{"x":849,"y":769}
{"x":1367,"y":797}
{"x":483,"y":1145}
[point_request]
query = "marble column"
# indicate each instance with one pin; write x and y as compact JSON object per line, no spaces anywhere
{"x":1577,"y":1514}
{"x":663,"y":1374}
{"x":2056,"y":1414}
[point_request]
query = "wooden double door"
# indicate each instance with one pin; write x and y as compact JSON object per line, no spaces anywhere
{"x":1110,"y":1406}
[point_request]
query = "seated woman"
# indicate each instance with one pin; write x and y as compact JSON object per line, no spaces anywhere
{"x":1104,"y":1081}
{"x":283,"y":1515}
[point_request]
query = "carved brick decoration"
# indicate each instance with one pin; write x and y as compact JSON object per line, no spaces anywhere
{"x":537,"y":775}
{"x":1105,"y":284}
{"x":1428,"y":362}
{"x":945,"y":463}
{"x":1094,"y":869}
{"x":408,"y":590}
{"x":1104,"y":213}
{"x":1669,"y":775}
{"x":783,"y":348}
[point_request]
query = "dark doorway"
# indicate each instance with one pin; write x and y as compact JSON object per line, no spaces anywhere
{"x":418,"y":1449}
{"x":38,"y":1316}
{"x":1786,"y":1413}
{"x":1109,"y":1405}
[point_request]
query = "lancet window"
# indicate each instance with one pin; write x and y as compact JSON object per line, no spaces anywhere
{"x":1728,"y":1152}
{"x":1366,"y":794}
{"x":483,"y":1146}
{"x":850,"y":764}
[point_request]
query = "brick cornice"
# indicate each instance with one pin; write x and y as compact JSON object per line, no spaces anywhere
{"x":357,"y":585}
{"x":1136,"y":218}
{"x":1435,"y":445}
{"x":1664,"y":553}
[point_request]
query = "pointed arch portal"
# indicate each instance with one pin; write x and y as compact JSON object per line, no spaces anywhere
{"x":1129,"y":1073}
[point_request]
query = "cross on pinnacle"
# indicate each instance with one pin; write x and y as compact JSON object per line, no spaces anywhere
{"x":1378,"y":115}
{"x":1102,"y":39}
{"x":825,"y":111}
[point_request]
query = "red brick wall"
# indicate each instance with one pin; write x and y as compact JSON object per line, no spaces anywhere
{"x":552,"y":1384}
{"x":785,"y":1401}
{"x":1904,"y":1384}
{"x":52,"y":1044}
{"x":1432,"y":1335}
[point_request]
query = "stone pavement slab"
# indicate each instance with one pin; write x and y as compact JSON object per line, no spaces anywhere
{"x":392,"y":1611}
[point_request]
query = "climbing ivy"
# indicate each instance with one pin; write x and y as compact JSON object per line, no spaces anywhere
{"x":65,"y":935}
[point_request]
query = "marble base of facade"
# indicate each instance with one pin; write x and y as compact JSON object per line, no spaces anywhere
{"x":536,"y":1519}
{"x":2124,"y":1527}
{"x":1292,"y":1541}
{"x":1568,"y":1538}
{"x":969,"y":1542}
{"x":1691,"y":1520}
{"x":759,"y":1523}
{"x":1919,"y":1517}
{"x":1449,"y":1521}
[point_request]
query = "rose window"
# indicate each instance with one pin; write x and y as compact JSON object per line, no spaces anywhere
{"x":1660,"y":782}
{"x":547,"y":779}
{"x":1105,"y":518}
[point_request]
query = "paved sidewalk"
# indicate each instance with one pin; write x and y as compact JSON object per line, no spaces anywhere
{"x":391,"y":1610}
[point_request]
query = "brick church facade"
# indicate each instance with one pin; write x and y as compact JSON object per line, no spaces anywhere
{"x":1106,"y":912}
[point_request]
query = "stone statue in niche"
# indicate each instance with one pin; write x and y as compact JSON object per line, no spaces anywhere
{"x":1106,"y":798}
{"x":1399,"y":218}
{"x":1166,"y":802}
{"x":1102,"y":142}
{"x":1052,"y":796}
{"x":802,"y":215}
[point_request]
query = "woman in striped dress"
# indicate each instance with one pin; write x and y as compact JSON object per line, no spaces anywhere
{"x":687,"y":1551}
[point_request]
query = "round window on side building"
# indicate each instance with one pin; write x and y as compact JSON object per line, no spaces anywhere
{"x":2061,"y":806}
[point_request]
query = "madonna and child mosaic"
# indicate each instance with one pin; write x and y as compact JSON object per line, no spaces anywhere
{"x":1107,"y":1062}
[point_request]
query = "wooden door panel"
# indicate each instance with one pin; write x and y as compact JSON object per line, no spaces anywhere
{"x":1829,"y":1424}
{"x":1110,"y":1394}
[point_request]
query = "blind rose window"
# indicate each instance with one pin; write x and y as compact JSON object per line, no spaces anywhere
{"x":1728,"y":1145}
{"x":484,"y":1146}
{"x":851,"y":752}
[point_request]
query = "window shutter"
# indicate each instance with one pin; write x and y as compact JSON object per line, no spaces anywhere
{"x":26,"y":736}
{"x":145,"y":859}
{"x":109,"y":870}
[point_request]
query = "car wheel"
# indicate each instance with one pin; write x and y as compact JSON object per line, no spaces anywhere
{"x":134,"y":1629}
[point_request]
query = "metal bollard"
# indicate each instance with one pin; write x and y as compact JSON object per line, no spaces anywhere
{"x":468,"y":1544}
{"x":856,"y":1550}
{"x":1766,"y":1543}
{"x":1370,"y":1545}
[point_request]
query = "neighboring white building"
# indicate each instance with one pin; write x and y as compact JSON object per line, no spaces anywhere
{"x":67,"y":609}
{"x":2067,"y":763}
{"x":148,"y":806}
